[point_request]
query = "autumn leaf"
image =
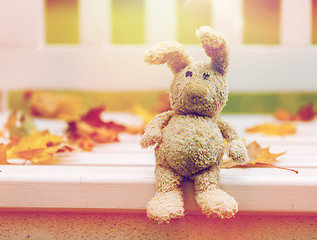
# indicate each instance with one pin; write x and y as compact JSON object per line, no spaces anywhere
{"x":304,"y":113}
{"x":163,"y":103}
{"x":53,"y":105}
{"x":259,"y":157}
{"x":257,"y":154}
{"x":3,"y":154}
{"x":273,"y":129}
{"x":91,"y":129}
{"x":85,"y":144}
{"x":145,"y":115}
{"x":37,"y":147}
{"x":19,"y":125}
{"x":93,"y":118}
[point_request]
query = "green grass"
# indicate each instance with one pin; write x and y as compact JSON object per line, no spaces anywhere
{"x":125,"y":101}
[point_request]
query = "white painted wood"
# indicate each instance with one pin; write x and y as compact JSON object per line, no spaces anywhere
{"x":18,"y":23}
{"x":273,"y":69}
{"x":160,"y":21}
{"x":228,"y":19}
{"x":95,"y":22}
{"x":296,"y":22}
{"x":106,"y":188}
{"x":252,"y":69}
{"x":105,"y":178}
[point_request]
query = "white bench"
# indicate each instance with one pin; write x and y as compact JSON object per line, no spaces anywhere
{"x":120,"y":175}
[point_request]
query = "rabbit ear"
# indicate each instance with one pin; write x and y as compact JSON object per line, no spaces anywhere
{"x":215,"y":47}
{"x":171,"y":53}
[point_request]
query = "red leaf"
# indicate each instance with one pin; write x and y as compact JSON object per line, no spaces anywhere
{"x":93,"y":118}
{"x":306,"y":113}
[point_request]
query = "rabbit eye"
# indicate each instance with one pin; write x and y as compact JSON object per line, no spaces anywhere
{"x":189,"y":74}
{"x":206,"y":76}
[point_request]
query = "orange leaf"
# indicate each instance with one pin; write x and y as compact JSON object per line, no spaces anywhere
{"x":85,"y":144}
{"x":163,"y":103}
{"x":284,"y":115}
{"x":257,"y":154}
{"x":85,"y":135}
{"x":3,"y":154}
{"x":259,"y":157}
{"x":53,"y":105}
{"x":37,"y":147}
{"x":273,"y":129}
{"x":304,"y":113}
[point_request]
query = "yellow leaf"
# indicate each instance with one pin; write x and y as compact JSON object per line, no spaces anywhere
{"x":259,"y":157}
{"x":3,"y":154}
{"x":145,"y":115}
{"x":257,"y":154}
{"x":37,"y":147}
{"x":54,"y":105}
{"x":273,"y":129}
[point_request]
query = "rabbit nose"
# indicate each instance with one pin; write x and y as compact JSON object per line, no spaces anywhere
{"x":195,"y":90}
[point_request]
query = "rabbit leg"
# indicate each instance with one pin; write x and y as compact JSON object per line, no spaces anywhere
{"x":167,"y":202}
{"x":211,"y":199}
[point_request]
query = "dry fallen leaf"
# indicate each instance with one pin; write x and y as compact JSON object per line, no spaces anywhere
{"x":304,"y":113}
{"x":273,"y":129}
{"x":19,"y":125}
{"x":257,"y":154}
{"x":91,"y":129}
{"x":93,"y":118}
{"x":53,"y":105}
{"x":163,"y":103}
{"x":26,"y":142}
{"x":144,"y":114}
{"x":37,"y":147}
{"x":3,"y":154}
{"x":259,"y":157}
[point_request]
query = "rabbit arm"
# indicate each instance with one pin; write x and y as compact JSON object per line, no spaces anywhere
{"x":215,"y":47}
{"x":171,"y":53}
{"x":153,"y":131}
{"x":236,"y":147}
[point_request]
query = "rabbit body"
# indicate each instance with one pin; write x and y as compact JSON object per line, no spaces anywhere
{"x":190,"y":138}
{"x":190,"y":144}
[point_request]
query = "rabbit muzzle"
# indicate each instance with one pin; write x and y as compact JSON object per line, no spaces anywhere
{"x":195,"y":90}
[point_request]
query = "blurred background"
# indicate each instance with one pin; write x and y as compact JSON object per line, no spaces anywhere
{"x":93,"y":49}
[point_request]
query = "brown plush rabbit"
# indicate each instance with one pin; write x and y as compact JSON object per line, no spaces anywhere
{"x":190,"y":138}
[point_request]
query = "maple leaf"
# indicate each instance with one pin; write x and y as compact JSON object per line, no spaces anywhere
{"x":93,"y":118}
{"x":304,"y":113}
{"x":53,"y":104}
{"x":85,"y":144}
{"x":273,"y":129}
{"x":37,"y":147}
{"x":145,"y":115}
{"x":259,"y":157}
{"x":3,"y":154}
{"x":163,"y":103}
{"x":91,"y":129}
{"x":257,"y":154}
{"x":19,"y":125}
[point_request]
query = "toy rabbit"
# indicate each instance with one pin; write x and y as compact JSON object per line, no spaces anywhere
{"x":190,"y":138}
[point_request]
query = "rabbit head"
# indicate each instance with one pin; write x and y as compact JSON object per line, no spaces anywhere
{"x":198,"y":87}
